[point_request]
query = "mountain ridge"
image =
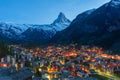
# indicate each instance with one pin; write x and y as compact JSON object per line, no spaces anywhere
{"x":18,"y":32}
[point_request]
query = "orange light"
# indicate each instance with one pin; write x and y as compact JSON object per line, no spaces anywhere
{"x":4,"y":65}
{"x":93,"y":60}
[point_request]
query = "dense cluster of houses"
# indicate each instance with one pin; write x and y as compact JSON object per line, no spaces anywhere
{"x":58,"y":63}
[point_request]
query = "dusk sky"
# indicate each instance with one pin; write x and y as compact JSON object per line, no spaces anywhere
{"x":43,"y":11}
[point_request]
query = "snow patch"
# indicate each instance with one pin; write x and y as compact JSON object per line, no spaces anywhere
{"x":115,"y":2}
{"x":90,"y":11}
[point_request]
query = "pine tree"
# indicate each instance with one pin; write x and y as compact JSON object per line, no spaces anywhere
{"x":3,"y":49}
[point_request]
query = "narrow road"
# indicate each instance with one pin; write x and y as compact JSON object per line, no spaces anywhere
{"x":108,"y":75}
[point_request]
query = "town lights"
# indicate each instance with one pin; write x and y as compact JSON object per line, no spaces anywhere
{"x":17,"y":67}
{"x":48,"y":76}
{"x":40,"y":69}
{"x":5,"y":65}
{"x":93,"y":60}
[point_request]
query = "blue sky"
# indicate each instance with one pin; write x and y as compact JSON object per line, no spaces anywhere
{"x":43,"y":11}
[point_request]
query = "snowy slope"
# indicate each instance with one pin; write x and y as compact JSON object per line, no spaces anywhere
{"x":11,"y":30}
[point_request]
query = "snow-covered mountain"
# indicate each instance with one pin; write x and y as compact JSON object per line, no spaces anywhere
{"x":11,"y":30}
{"x":25,"y":32}
{"x":61,"y":21}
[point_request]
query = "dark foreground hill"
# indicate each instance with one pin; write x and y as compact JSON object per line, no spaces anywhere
{"x":100,"y":27}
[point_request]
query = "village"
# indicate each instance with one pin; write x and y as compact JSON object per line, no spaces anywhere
{"x":60,"y":63}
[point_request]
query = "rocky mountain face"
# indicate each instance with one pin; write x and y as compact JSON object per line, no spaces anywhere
{"x":25,"y":33}
{"x":99,"y":27}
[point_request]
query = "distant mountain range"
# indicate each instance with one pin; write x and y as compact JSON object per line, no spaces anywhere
{"x":32,"y":33}
{"x":99,"y":27}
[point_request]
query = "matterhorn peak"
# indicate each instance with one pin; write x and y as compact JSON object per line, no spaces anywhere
{"x":61,"y":15}
{"x":61,"y":19}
